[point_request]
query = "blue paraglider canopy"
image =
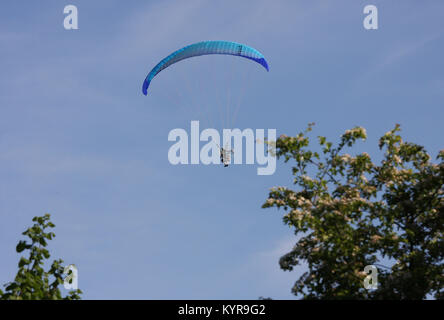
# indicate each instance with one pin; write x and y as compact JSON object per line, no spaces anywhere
{"x":205,"y":48}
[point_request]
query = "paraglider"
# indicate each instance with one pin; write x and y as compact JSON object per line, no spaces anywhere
{"x":205,"y":48}
{"x":229,"y":48}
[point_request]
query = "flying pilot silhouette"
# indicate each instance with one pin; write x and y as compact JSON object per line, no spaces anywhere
{"x":225,"y":156}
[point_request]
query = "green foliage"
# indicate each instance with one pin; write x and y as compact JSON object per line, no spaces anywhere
{"x":32,"y":282}
{"x":352,"y":212}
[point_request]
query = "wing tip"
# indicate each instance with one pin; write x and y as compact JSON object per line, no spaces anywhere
{"x":145,"y":87}
{"x":264,"y":63}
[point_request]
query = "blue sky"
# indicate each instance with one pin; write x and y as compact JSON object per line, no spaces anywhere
{"x":80,"y":141}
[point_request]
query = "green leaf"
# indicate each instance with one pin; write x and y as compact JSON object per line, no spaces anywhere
{"x":22,"y":245}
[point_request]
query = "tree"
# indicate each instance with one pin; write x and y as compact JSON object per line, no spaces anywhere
{"x":31,"y":281}
{"x":350,"y":212}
